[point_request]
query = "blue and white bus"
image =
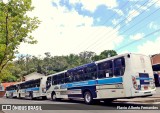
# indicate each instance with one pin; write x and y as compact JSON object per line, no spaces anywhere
{"x":28,"y":89}
{"x":122,"y":76}
{"x":32,"y":89}
{"x":11,"y":91}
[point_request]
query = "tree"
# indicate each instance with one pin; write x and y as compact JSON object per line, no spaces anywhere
{"x":86,"y":56}
{"x":104,"y":54}
{"x":15,"y":27}
{"x":7,"y":74}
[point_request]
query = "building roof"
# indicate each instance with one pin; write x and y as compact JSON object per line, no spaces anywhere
{"x":8,"y":84}
{"x":155,"y":54}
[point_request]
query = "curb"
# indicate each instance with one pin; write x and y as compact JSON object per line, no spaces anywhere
{"x":149,"y":100}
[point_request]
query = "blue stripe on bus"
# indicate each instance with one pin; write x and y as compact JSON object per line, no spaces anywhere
{"x":143,"y":78}
{"x":110,"y":80}
{"x":93,"y":82}
{"x":32,"y":89}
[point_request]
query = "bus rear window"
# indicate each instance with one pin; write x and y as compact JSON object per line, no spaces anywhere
{"x":119,"y":66}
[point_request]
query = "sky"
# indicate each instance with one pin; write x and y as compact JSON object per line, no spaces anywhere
{"x":74,"y":26}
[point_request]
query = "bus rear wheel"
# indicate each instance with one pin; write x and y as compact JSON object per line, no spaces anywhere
{"x":31,"y":96}
{"x":19,"y":96}
{"x":88,"y":97}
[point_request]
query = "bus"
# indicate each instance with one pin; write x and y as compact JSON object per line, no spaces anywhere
{"x":11,"y":91}
{"x":31,"y":89}
{"x":123,"y":76}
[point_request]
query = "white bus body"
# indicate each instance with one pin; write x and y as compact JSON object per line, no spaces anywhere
{"x":33,"y":89}
{"x":123,"y":76}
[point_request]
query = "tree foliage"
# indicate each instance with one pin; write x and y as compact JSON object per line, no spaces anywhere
{"x":50,"y":65}
{"x":104,"y":54}
{"x":15,"y":27}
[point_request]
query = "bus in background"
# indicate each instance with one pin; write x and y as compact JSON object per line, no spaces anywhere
{"x":11,"y":91}
{"x":122,"y":76}
{"x":32,"y":89}
{"x":28,"y":89}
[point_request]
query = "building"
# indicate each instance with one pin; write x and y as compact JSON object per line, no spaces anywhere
{"x":6,"y":84}
{"x":33,"y":75}
{"x":155,"y":59}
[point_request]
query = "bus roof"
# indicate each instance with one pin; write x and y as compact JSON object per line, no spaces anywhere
{"x":57,"y":73}
{"x":117,"y":56}
{"x":82,"y":66}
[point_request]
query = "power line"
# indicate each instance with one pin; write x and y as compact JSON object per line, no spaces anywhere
{"x":95,"y":43}
{"x":142,"y":20}
{"x":102,"y":24}
{"x":147,"y":36}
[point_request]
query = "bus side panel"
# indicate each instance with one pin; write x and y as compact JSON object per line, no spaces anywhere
{"x":79,"y":91}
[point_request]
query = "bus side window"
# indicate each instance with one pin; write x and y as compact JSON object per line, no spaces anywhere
{"x":68,"y":77}
{"x":78,"y":75}
{"x":90,"y":72}
{"x":105,"y":69}
{"x":54,"y":80}
{"x":60,"y":78}
{"x":119,"y":66}
{"x":48,"y":82}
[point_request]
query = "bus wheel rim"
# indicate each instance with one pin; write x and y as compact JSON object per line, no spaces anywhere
{"x":88,"y":97}
{"x":54,"y":97}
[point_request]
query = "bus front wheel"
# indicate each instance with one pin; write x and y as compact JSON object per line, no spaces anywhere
{"x":6,"y":96}
{"x":88,"y":97}
{"x":53,"y":96}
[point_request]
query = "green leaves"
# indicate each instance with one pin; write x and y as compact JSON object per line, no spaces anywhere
{"x":15,"y":27}
{"x":104,"y":54}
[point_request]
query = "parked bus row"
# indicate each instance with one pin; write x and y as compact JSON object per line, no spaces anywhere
{"x":121,"y":76}
{"x":28,"y":89}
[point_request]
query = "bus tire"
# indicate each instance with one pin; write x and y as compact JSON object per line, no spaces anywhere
{"x":6,"y":96}
{"x":19,"y":96}
{"x":88,"y":97}
{"x":31,"y":96}
{"x":53,"y":96}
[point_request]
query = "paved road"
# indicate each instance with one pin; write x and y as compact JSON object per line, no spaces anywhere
{"x":79,"y":105}
{"x":158,"y":91}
